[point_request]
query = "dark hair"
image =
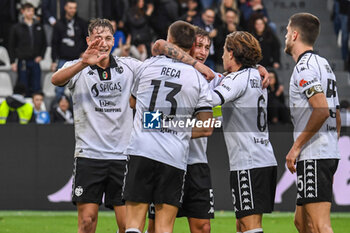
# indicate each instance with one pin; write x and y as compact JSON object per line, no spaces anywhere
{"x":70,"y":1}
{"x":245,"y":48}
{"x":20,"y":89}
{"x":308,"y":26}
{"x":27,"y":5}
{"x":100,"y":23}
{"x":183,"y":34}
{"x":38,"y":93}
{"x":200,"y":32}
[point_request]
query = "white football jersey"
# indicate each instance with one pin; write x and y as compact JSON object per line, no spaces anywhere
{"x":198,"y":146}
{"x":245,"y":120}
{"x":102,"y":114}
{"x":176,"y":90}
{"x":312,"y":70}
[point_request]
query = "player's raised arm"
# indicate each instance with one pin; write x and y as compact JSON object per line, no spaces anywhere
{"x":173,"y":51}
{"x":320,"y":113}
{"x":90,"y":57}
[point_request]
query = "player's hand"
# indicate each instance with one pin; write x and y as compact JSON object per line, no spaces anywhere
{"x":263,"y":73}
{"x":38,"y":59}
{"x":53,"y":67}
{"x":92,"y":55}
{"x":205,"y":70}
{"x":291,"y":158}
{"x":14,"y":67}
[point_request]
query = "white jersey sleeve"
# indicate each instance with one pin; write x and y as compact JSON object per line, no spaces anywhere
{"x":72,"y":81}
{"x":229,"y":89}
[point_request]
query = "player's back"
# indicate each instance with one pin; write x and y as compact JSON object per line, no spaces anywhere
{"x":175,"y":90}
{"x":244,"y":121}
{"x":314,"y":71}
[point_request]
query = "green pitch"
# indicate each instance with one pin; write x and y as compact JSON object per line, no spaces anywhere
{"x":66,"y":222}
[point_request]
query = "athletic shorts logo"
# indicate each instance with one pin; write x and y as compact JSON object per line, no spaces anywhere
{"x":78,"y":191}
{"x":151,"y":120}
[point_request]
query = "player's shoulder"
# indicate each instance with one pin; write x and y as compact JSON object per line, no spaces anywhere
{"x":309,"y":61}
{"x":241,"y":74}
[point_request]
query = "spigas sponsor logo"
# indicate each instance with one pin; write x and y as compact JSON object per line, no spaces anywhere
{"x":108,"y":87}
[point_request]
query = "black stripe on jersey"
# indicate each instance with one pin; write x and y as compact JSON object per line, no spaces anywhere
{"x":242,"y":71}
{"x":307,"y":63}
{"x":337,"y":107}
{"x":133,"y":96}
{"x":221,"y":97}
{"x":203,"y":109}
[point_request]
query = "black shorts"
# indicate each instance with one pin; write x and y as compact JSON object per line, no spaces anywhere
{"x":253,"y":190}
{"x":198,"y":200}
{"x":315,"y":180}
{"x":94,"y":177}
{"x":150,"y":181}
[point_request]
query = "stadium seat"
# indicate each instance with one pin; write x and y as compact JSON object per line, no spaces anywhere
{"x":48,"y":87}
{"x":6,"y":88}
{"x":4,"y":56}
{"x":45,"y":64}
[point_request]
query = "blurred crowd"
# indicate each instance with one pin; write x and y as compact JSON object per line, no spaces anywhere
{"x":30,"y":27}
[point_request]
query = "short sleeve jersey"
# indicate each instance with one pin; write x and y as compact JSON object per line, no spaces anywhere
{"x":198,"y":146}
{"x":102,"y":114}
{"x":244,"y":120}
{"x":313,"y":71}
{"x":173,"y":88}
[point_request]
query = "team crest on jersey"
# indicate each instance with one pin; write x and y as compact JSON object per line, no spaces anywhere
{"x":119,"y":69}
{"x":151,"y":120}
{"x":78,"y":191}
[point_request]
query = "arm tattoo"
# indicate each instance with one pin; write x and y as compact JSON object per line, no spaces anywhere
{"x":179,"y":54}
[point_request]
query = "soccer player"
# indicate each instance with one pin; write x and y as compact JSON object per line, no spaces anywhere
{"x":158,"y":158}
{"x":252,"y":163}
{"x":315,"y":114}
{"x":198,"y":199}
{"x":101,"y":86}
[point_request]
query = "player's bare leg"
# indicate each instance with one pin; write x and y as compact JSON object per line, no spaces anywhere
{"x":301,"y":221}
{"x":165,"y":218}
{"x":87,"y":217}
{"x":250,"y":222}
{"x":198,"y":225}
{"x":120,"y":215}
{"x":135,"y":215}
{"x":319,"y":215}
{"x":151,"y":228}
{"x":238,"y":226}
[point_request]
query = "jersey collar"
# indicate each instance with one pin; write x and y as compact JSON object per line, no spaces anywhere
{"x":301,"y":55}
{"x":112,"y":63}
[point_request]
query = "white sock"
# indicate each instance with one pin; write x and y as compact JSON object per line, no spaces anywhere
{"x":257,"y":230}
{"x":132,"y":230}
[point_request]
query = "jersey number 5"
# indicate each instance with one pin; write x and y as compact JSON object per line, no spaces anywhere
{"x":170,"y":96}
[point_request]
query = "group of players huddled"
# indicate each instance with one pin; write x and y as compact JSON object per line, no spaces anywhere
{"x":166,"y":172}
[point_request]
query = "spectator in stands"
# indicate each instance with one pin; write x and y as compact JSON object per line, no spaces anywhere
{"x":118,"y":36}
{"x":61,"y":113}
{"x":192,"y":11}
{"x":255,"y":6}
{"x":206,"y":22}
{"x":8,"y":17}
{"x":14,"y":108}
{"x":28,"y":45}
{"x":138,"y":24}
{"x":345,"y":113}
{"x":51,"y":14}
{"x":277,"y":110}
{"x":68,"y":40}
{"x":229,"y":25}
{"x":40,"y":115}
{"x":269,"y":42}
{"x":138,"y":51}
{"x":165,"y":13}
{"x":113,"y":10}
{"x":343,"y":16}
{"x":224,"y":6}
